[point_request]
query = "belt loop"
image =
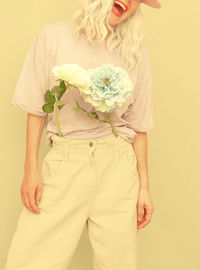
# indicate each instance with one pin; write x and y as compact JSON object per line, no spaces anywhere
{"x":51,"y":142}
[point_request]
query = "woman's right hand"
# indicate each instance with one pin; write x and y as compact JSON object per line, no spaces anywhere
{"x":31,"y":190}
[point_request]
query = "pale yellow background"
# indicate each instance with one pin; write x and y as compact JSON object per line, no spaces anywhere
{"x":171,"y":240}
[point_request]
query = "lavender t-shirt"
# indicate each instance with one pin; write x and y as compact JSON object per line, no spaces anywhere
{"x":54,"y":45}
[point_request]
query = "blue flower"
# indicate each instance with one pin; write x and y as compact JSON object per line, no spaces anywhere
{"x":109,"y":89}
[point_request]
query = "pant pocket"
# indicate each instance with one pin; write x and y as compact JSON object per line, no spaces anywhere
{"x":52,"y":164}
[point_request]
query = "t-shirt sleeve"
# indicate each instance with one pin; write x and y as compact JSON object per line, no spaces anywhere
{"x":140,"y":111}
{"x":32,"y":82}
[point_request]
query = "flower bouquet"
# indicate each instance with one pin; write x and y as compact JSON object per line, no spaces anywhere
{"x":105,"y":87}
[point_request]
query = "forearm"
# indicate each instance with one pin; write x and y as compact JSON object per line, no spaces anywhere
{"x":140,"y":149}
{"x":35,"y":126}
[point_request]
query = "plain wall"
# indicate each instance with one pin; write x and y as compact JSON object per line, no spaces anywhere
{"x":171,"y":240}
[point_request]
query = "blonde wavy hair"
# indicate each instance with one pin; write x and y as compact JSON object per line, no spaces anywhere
{"x":123,"y":39}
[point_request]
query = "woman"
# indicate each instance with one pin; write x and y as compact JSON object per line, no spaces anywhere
{"x":89,"y":176}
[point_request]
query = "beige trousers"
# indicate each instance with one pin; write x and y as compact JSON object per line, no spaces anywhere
{"x":85,"y":182}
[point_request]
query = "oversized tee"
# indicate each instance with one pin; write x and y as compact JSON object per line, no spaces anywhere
{"x":54,"y":45}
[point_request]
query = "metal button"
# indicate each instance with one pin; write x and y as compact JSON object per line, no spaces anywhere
{"x":91,"y":144}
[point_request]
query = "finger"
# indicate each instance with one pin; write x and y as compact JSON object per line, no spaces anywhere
{"x":143,"y":224}
{"x":38,"y":195}
{"x":146,"y":220}
{"x":32,"y":204}
{"x":140,"y":212}
{"x":28,"y":195}
{"x":27,"y":201}
{"x":148,"y":213}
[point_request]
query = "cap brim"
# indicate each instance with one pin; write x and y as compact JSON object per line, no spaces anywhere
{"x":152,"y":3}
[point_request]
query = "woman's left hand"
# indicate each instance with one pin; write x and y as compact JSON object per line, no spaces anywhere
{"x":145,"y":208}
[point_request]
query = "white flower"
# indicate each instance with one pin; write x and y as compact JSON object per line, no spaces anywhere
{"x":73,"y":74}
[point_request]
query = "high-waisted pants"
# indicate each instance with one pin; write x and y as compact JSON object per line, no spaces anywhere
{"x":85,"y":182}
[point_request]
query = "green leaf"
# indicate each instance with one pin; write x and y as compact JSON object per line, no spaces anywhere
{"x":59,"y":95}
{"x":56,"y":89}
{"x":49,"y":98}
{"x":62,"y":85}
{"x":48,"y":108}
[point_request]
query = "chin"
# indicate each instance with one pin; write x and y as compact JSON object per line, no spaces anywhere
{"x":114,"y":22}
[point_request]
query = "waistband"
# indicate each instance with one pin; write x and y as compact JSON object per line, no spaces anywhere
{"x":89,"y":145}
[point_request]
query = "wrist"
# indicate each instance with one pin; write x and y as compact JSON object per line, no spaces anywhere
{"x":144,"y":184}
{"x":30,"y":166}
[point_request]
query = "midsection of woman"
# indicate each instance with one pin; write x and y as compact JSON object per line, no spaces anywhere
{"x":54,"y":45}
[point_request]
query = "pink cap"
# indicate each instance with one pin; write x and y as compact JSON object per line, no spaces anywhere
{"x":152,"y":3}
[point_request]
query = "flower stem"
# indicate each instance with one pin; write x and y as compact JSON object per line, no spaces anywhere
{"x":95,"y":116}
{"x":56,"y":117}
{"x":107,"y":116}
{"x":89,"y":114}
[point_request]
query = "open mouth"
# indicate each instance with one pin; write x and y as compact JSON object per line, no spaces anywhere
{"x":119,"y":8}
